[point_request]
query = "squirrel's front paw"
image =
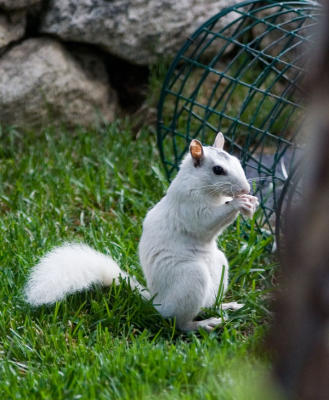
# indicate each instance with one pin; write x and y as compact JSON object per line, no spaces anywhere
{"x":246,"y":204}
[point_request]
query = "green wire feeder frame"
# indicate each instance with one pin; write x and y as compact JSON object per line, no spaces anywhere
{"x":241,"y":73}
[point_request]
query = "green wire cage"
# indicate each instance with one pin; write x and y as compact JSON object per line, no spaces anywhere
{"x":241,"y":73}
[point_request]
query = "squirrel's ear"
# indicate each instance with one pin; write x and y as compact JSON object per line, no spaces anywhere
{"x":196,"y":151}
{"x":219,"y":141}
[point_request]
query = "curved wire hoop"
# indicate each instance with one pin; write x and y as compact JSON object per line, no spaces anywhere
{"x":241,"y":73}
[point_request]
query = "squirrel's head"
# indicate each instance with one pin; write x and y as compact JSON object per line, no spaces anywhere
{"x":216,"y":171}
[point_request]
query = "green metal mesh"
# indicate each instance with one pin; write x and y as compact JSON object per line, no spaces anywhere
{"x":241,"y":73}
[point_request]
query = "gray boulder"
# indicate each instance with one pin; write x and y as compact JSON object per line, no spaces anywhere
{"x":17,"y":4}
{"x":139,"y":31}
{"x":12,"y":27}
{"x":40,"y":82}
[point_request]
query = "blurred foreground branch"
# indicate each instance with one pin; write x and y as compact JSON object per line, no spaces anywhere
{"x":300,"y":333}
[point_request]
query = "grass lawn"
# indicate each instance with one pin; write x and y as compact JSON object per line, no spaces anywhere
{"x":96,"y":187}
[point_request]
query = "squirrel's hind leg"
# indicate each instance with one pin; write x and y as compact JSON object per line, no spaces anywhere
{"x":185,"y":296}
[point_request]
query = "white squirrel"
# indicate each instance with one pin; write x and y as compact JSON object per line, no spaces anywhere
{"x":182,"y":264}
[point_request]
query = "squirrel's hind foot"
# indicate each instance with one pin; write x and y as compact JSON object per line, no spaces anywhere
{"x":231,"y":306}
{"x":207,"y":324}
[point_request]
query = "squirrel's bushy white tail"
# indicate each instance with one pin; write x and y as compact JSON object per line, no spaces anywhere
{"x":69,"y":269}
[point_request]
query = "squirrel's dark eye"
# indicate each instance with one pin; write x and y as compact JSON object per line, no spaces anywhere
{"x":218,"y":170}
